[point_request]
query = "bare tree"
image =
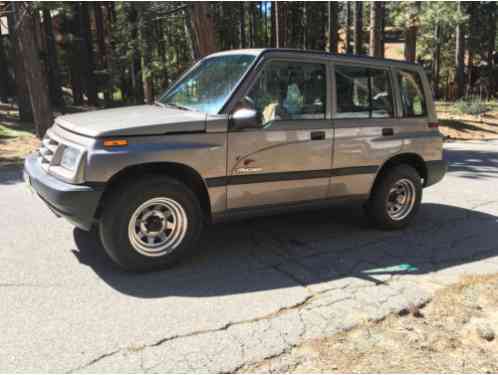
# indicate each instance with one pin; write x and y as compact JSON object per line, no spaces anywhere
{"x":35,"y":77}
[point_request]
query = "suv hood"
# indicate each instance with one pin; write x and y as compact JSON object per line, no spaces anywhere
{"x":136,"y":120}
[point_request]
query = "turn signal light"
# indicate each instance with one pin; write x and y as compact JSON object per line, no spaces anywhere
{"x":115,"y":143}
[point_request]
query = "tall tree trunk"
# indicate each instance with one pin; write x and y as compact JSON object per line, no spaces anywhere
{"x":273,"y":24}
{"x":189,"y":32}
{"x":75,"y":56}
{"x":492,"y":14}
{"x":276,"y":23}
{"x":102,"y":54}
{"x":411,"y":33}
{"x":203,"y":28}
{"x":436,"y":60}
{"x":459,"y":57}
{"x":90,"y":83}
{"x":135,"y":74}
{"x":473,"y":40}
{"x":376,"y":22}
{"x":144,"y":36}
{"x":242,"y":25}
{"x":161,"y":49}
{"x":305,"y":26}
{"x":22,"y":93}
{"x":332,"y":25}
{"x":358,"y":28}
{"x":281,"y":14}
{"x":35,"y":79}
{"x":4,"y":70}
{"x":349,"y":22}
{"x":254,"y":23}
{"x":54,"y":79}
{"x":384,"y":16}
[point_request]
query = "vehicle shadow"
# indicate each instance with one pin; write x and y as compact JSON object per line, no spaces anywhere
{"x":306,"y":248}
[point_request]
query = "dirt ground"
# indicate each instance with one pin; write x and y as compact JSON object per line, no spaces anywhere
{"x":458,"y":126}
{"x":453,"y":333}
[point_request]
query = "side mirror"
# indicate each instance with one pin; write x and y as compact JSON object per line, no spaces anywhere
{"x":245,"y":118}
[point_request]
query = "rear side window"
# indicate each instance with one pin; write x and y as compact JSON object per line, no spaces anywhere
{"x":363,"y":92}
{"x":412,"y":94}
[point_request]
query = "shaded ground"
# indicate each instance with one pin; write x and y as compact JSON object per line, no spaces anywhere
{"x":16,"y":138}
{"x":454,"y":333}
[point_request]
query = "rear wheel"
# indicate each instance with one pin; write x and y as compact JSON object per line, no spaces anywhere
{"x":395,"y":198}
{"x":150,"y":224}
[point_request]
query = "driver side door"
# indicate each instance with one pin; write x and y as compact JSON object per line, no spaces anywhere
{"x":287,"y":157}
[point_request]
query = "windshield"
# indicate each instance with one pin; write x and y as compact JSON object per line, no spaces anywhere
{"x":207,"y":87}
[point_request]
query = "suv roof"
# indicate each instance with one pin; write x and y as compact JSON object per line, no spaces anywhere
{"x":346,"y":56}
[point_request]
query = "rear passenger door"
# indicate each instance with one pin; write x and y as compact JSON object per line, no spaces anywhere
{"x":288,"y":157}
{"x":366,"y":126}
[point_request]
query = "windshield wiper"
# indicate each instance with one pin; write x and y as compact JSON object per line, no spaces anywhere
{"x":183,"y":108}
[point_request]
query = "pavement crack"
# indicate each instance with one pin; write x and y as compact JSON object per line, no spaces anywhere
{"x":95,"y":360}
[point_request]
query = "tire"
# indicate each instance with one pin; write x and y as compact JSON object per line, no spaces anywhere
{"x":168,"y":222}
{"x":381,"y":207}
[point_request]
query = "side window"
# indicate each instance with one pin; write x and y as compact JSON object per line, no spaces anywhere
{"x":412,"y":94}
{"x":363,"y":92}
{"x":290,"y":91}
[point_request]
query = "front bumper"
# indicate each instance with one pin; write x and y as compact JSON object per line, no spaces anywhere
{"x":77,"y":203}
{"x":436,"y":169}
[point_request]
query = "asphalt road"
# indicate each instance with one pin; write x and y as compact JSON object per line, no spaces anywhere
{"x":254,"y":289}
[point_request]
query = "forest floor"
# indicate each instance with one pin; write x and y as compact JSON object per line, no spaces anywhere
{"x":17,"y":139}
{"x":454,"y":333}
{"x":463,"y":127}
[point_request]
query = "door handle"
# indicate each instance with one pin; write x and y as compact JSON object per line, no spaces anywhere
{"x":316,"y":136}
{"x":387,"y":132}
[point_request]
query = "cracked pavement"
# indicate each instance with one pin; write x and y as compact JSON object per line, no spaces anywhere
{"x":253,"y":290}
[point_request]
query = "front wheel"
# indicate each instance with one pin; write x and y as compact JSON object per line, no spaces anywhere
{"x":150,"y":224}
{"x":395,"y":198}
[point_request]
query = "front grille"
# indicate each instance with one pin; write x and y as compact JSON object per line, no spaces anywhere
{"x":47,"y":150}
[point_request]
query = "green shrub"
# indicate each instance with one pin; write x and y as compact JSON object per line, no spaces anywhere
{"x":471,"y":106}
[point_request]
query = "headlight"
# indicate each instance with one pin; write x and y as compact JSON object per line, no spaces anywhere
{"x":70,"y":157}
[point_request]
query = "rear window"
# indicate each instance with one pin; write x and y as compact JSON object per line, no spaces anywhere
{"x":412,"y":94}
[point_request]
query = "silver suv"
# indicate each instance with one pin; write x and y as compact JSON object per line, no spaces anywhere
{"x":243,"y":133}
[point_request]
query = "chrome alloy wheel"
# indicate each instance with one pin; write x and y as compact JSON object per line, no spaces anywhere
{"x":157,"y":227}
{"x":401,"y":199}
